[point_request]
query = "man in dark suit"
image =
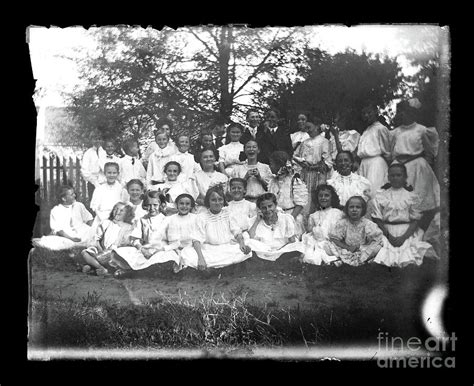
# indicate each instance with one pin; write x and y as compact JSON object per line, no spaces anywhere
{"x":250,"y":132}
{"x":271,"y":137}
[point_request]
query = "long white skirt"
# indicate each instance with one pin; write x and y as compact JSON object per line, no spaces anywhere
{"x":375,"y":170}
{"x":269,"y":252}
{"x":59,"y":243}
{"x":136,"y":260}
{"x":411,"y":251}
{"x":316,"y":251}
{"x":424,"y":182}
{"x":216,"y":256}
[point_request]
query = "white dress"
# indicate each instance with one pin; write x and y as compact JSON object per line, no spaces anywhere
{"x":316,"y":242}
{"x":242,"y":211}
{"x":110,"y":235}
{"x":399,"y":205}
{"x":217,"y":233}
{"x":188,"y":165}
{"x":290,"y":192}
{"x":415,"y":139}
{"x":374,"y":144}
{"x":298,"y":136}
{"x":152,"y":232}
{"x":271,"y":241}
{"x":153,"y":146}
{"x":104,"y":198}
{"x":254,"y":187}
{"x":351,"y":185}
{"x":156,"y":163}
{"x":349,"y":140}
{"x":172,"y":189}
{"x":229,"y":154}
{"x":139,"y":211}
{"x":365,"y":234}
{"x":131,"y":168}
{"x":202,"y":181}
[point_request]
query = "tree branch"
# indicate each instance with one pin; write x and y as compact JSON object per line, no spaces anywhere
{"x":204,"y":43}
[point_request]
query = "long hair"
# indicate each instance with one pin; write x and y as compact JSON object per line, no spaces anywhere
{"x":335,"y":201}
{"x":361,"y":199}
{"x":129,"y":212}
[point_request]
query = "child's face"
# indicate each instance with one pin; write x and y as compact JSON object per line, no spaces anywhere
{"x":344,"y":164}
{"x":109,"y":147}
{"x":111,"y":174}
{"x":272,"y":119}
{"x":161,"y":140}
{"x":251,"y":149}
{"x":274,"y":167}
{"x":119,"y":212}
{"x":207,"y":140}
{"x":354,"y":209}
{"x":153,"y":207}
{"x":216,"y":203}
{"x":268,"y":208}
{"x":219,"y":130}
{"x":237,"y":191}
{"x":69,"y":197}
{"x":184,"y":206}
{"x":301,"y":122}
{"x":172,"y":172}
{"x":235,"y":134}
{"x":253,"y":119}
{"x":167,"y":129}
{"x":133,"y":150}
{"x":183,"y":144}
{"x":314,"y":130}
{"x":135,"y":192}
{"x":324,"y":199}
{"x":397,"y":177}
{"x":207,"y":159}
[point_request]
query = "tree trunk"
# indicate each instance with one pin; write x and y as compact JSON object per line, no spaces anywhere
{"x":225,"y":103}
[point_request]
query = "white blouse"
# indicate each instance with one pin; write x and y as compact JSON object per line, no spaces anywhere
{"x":314,"y":150}
{"x":188,"y":165}
{"x":69,"y":218}
{"x":414,"y":139}
{"x":216,"y":229}
{"x":298,"y":136}
{"x":105,"y":196}
{"x":242,"y":211}
{"x":288,"y":198}
{"x":157,"y":162}
{"x":254,"y":187}
{"x":351,"y":185}
{"x":203,"y":181}
{"x":396,"y":205}
{"x":375,"y":141}
{"x":178,"y":229}
{"x":322,"y":221}
{"x":349,"y":140}
{"x":229,"y":154}
{"x":278,"y":234}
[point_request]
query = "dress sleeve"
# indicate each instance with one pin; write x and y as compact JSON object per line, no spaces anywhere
{"x":430,"y":139}
{"x":352,"y":140}
{"x":85,"y":214}
{"x":199,"y":232}
{"x":366,"y":189}
{"x":300,"y":192}
{"x":377,"y":206}
{"x":338,"y":232}
{"x":384,"y":140}
{"x":372,"y":232}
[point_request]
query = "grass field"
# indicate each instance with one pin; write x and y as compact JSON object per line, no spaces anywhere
{"x":251,"y":305}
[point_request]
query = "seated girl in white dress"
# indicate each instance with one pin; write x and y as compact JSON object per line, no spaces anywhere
{"x":355,"y":240}
{"x":396,"y":212}
{"x":217,"y":238}
{"x":229,"y":153}
{"x":327,"y":214}
{"x":173,"y":186}
{"x":158,"y":239}
{"x":70,"y":223}
{"x":241,"y":209}
{"x":136,"y":190}
{"x":112,"y":232}
{"x":289,"y":189}
{"x":272,"y":233}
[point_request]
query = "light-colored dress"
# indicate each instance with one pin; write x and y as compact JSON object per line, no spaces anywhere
{"x":351,"y":185}
{"x":271,"y":241}
{"x":229,"y":154}
{"x":104,"y":198}
{"x":349,"y":140}
{"x":316,"y":242}
{"x":188,"y":165}
{"x":290,"y":191}
{"x":172,"y":189}
{"x":202,"y":181}
{"x":399,"y":205}
{"x":298,"y":136}
{"x":152,"y":232}
{"x":153,"y":146}
{"x":374,"y":145}
{"x":139,"y":211}
{"x":254,"y":187}
{"x":156,"y":163}
{"x":216,"y":233}
{"x":242,"y":211}
{"x":131,"y":168}
{"x":365,"y":234}
{"x":412,"y":140}
{"x":313,"y":150}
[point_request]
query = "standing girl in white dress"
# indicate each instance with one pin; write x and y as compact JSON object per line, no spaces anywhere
{"x":217,"y":239}
{"x":355,"y":240}
{"x":289,"y":189}
{"x":229,"y":153}
{"x":158,"y":243}
{"x":207,"y":177}
{"x":185,"y":159}
{"x":397,"y":214}
{"x":158,"y":159}
{"x":315,"y":160}
{"x":163,"y":125}
{"x":136,"y":190}
{"x":327,"y":214}
{"x":112,"y":232}
{"x":273,"y":232}
{"x":374,"y":149}
{"x":301,"y":133}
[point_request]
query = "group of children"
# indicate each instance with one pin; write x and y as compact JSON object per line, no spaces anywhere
{"x":229,"y":205}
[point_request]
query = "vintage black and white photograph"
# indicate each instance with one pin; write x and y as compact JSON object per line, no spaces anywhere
{"x":227,"y":191}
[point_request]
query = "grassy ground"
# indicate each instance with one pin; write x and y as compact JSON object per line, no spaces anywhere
{"x":254,"y":304}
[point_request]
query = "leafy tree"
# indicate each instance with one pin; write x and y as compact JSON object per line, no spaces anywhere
{"x":336,"y":87}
